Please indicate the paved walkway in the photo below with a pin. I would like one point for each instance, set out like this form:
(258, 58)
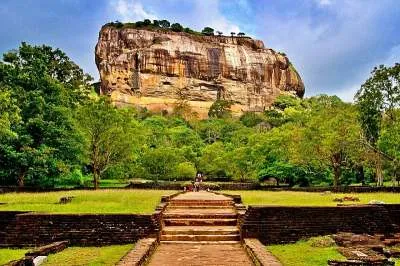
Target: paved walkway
(201, 195)
(200, 228)
(198, 254)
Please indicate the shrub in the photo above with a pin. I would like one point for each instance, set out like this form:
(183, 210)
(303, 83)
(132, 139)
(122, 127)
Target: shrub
(185, 171)
(220, 109)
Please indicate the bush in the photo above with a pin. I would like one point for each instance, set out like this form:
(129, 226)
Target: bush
(220, 109)
(250, 119)
(185, 171)
(74, 179)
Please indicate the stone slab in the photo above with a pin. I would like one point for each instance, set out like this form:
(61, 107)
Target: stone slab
(196, 254)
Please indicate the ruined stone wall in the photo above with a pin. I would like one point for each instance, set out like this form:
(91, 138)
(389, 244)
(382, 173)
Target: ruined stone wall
(21, 229)
(277, 224)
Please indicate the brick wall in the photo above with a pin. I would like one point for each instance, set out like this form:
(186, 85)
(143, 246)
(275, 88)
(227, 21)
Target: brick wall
(276, 224)
(394, 213)
(18, 229)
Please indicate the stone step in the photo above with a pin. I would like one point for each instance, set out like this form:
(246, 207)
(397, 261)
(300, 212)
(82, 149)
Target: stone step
(198, 222)
(199, 215)
(201, 202)
(197, 207)
(235, 237)
(201, 242)
(200, 230)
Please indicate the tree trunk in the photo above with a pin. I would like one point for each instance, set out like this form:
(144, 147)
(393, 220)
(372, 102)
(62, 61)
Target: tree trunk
(21, 178)
(361, 174)
(378, 169)
(336, 165)
(96, 176)
(336, 177)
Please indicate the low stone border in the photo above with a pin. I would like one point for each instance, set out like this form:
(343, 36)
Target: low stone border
(140, 254)
(259, 254)
(237, 199)
(48, 249)
(168, 198)
(39, 255)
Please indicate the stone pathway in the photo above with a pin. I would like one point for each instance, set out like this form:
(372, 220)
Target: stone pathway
(198, 254)
(200, 228)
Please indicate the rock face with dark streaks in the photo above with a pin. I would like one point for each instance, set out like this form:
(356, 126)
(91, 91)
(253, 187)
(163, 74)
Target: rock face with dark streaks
(156, 69)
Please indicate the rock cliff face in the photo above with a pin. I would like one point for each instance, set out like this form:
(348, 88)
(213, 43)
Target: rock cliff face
(157, 69)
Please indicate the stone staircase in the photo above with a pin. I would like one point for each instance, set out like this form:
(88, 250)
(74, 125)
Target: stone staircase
(195, 217)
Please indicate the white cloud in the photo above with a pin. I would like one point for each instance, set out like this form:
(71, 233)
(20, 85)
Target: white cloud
(324, 2)
(131, 10)
(207, 13)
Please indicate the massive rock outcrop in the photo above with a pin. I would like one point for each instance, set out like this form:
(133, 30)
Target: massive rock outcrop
(156, 69)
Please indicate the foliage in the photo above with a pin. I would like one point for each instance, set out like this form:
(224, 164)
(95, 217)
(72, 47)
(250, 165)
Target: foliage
(108, 138)
(39, 86)
(220, 109)
(251, 119)
(185, 171)
(176, 27)
(208, 31)
(378, 100)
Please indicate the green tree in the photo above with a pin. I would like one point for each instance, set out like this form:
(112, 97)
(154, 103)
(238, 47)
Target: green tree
(185, 171)
(147, 22)
(331, 135)
(160, 163)
(207, 31)
(156, 23)
(176, 27)
(241, 34)
(213, 162)
(220, 109)
(108, 136)
(164, 24)
(45, 86)
(377, 99)
(251, 119)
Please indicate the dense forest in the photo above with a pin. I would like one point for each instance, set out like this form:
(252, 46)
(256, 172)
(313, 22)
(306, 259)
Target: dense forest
(55, 130)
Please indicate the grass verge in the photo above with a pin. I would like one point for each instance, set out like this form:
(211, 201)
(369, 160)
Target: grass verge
(294, 198)
(93, 256)
(8, 254)
(85, 201)
(306, 252)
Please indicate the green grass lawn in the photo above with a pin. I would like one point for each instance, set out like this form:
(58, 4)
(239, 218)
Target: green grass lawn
(292, 198)
(93, 256)
(7, 254)
(85, 201)
(305, 253)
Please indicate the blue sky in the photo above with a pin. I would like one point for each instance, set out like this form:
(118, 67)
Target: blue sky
(334, 44)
